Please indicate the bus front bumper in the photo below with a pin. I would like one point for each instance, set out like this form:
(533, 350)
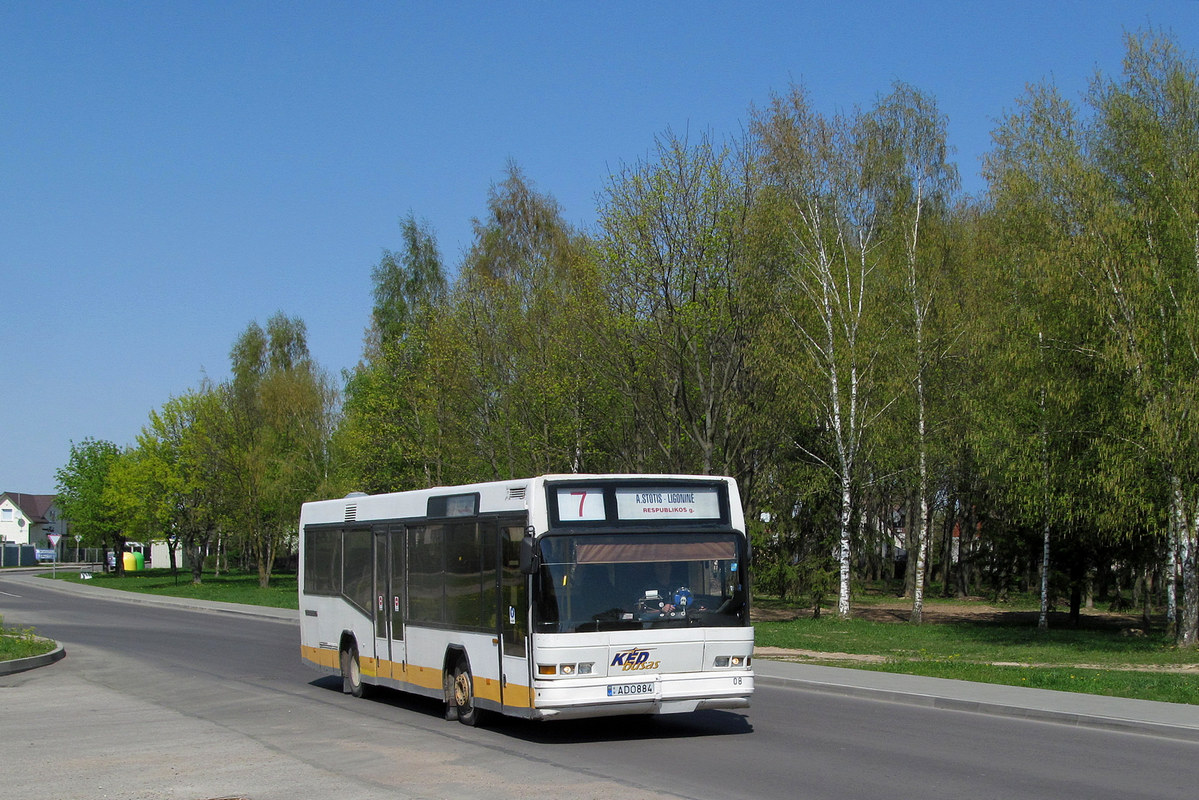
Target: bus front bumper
(647, 694)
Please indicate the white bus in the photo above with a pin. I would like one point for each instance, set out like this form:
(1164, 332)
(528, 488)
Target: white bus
(555, 597)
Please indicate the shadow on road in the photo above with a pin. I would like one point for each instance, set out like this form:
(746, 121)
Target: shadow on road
(634, 727)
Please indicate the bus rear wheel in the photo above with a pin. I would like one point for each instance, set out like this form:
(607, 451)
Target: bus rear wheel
(351, 672)
(463, 695)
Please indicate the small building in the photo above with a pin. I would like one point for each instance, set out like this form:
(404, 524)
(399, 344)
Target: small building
(156, 554)
(29, 518)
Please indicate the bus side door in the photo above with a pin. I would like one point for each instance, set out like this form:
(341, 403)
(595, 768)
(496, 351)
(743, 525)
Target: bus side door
(388, 614)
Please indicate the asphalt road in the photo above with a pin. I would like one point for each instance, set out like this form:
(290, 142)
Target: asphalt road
(161, 703)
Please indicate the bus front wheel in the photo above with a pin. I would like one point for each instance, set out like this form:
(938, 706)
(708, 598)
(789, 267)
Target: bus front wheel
(463, 696)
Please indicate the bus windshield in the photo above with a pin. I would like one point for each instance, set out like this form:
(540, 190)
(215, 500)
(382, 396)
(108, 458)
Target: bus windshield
(597, 582)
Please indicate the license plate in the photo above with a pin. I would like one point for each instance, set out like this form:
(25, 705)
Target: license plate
(622, 689)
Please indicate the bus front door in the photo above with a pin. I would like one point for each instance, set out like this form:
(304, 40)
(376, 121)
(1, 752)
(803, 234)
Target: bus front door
(517, 681)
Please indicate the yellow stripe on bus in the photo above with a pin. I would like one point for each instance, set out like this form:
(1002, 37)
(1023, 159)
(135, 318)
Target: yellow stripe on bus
(321, 657)
(514, 695)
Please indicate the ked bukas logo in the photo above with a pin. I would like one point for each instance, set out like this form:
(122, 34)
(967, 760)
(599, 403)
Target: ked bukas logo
(634, 659)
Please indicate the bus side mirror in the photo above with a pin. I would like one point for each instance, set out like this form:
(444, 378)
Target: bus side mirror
(530, 559)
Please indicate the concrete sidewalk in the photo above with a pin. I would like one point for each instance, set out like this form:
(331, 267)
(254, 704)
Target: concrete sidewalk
(1170, 720)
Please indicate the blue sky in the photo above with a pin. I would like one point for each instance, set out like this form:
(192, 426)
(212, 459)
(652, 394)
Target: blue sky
(170, 171)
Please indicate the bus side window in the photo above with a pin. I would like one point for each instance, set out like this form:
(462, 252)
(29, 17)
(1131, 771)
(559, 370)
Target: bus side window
(463, 579)
(358, 571)
(322, 562)
(426, 576)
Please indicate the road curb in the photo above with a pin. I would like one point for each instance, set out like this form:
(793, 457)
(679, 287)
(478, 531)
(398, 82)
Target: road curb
(32, 662)
(1015, 711)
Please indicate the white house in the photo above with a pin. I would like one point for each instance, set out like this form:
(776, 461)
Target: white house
(27, 518)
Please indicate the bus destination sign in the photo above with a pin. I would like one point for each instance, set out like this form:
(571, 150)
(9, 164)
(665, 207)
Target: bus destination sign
(673, 502)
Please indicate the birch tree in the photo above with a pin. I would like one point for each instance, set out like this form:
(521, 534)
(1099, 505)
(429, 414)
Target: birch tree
(275, 448)
(912, 166)
(1143, 264)
(1121, 191)
(393, 430)
(1047, 385)
(818, 169)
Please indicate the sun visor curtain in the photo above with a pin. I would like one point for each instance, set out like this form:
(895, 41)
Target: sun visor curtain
(638, 552)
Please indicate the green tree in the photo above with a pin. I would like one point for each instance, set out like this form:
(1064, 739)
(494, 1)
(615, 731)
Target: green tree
(128, 493)
(1046, 391)
(407, 284)
(275, 447)
(911, 163)
(180, 448)
(1102, 216)
(81, 485)
(392, 415)
(673, 250)
(1142, 259)
(832, 300)
(523, 299)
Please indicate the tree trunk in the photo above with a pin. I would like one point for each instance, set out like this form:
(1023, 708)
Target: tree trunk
(1147, 598)
(266, 558)
(949, 572)
(119, 561)
(1188, 618)
(846, 511)
(1174, 537)
(922, 533)
(911, 544)
(195, 559)
(1078, 575)
(922, 550)
(1075, 604)
(1043, 619)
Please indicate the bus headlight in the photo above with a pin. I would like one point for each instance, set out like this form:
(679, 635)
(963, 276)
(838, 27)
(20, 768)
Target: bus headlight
(733, 662)
(576, 669)
(566, 670)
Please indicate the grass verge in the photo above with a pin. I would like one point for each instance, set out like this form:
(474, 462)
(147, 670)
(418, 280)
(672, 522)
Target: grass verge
(229, 587)
(1093, 661)
(21, 643)
(1166, 687)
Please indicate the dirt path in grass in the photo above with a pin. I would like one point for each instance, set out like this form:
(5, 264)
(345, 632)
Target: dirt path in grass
(973, 610)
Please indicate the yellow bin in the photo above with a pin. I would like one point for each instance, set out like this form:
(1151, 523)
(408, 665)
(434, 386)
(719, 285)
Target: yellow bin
(130, 562)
